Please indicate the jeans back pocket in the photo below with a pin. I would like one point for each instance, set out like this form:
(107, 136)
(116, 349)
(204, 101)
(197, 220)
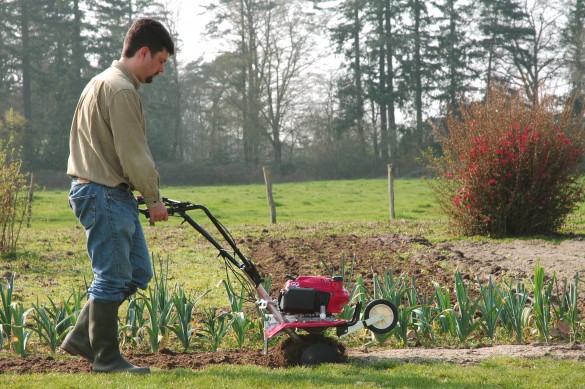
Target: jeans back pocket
(84, 208)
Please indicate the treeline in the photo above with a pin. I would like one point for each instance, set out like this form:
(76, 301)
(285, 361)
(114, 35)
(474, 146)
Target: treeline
(267, 98)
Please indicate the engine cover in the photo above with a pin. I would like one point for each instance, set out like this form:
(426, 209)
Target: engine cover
(307, 294)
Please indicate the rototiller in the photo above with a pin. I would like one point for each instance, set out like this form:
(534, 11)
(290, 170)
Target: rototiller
(306, 303)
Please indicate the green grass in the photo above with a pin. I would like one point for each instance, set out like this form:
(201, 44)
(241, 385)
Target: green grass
(306, 202)
(497, 373)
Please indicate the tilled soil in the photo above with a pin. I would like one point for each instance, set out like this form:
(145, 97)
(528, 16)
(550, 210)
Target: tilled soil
(403, 254)
(284, 354)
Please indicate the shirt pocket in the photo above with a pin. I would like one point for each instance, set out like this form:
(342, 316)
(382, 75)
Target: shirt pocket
(84, 208)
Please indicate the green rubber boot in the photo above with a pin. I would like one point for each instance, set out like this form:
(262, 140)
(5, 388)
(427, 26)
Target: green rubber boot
(103, 335)
(77, 341)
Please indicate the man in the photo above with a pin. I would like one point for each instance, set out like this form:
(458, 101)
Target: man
(109, 157)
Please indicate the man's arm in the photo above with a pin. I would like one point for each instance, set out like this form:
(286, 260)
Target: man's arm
(131, 146)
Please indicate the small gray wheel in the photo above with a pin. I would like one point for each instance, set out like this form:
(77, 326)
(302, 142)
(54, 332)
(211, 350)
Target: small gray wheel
(385, 309)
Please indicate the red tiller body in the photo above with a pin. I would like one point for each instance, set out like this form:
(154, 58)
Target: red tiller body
(338, 295)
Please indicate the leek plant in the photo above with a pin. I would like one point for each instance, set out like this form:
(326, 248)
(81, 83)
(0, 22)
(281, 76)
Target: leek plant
(490, 307)
(160, 315)
(424, 315)
(347, 275)
(241, 323)
(159, 307)
(403, 324)
(542, 302)
(267, 282)
(20, 332)
(464, 321)
(215, 326)
(395, 291)
(51, 323)
(135, 321)
(357, 293)
(184, 327)
(73, 306)
(567, 311)
(161, 288)
(516, 311)
(6, 309)
(388, 288)
(240, 319)
(446, 310)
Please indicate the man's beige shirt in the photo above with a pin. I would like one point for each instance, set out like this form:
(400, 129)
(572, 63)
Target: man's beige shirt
(108, 135)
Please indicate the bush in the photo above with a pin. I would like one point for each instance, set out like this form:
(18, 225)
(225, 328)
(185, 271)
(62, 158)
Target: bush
(509, 168)
(13, 197)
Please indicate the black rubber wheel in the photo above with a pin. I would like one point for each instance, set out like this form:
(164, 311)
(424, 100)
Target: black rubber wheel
(385, 309)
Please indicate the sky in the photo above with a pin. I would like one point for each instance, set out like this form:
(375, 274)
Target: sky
(192, 19)
(191, 25)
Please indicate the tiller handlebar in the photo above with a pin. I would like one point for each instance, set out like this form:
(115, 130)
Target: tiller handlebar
(237, 259)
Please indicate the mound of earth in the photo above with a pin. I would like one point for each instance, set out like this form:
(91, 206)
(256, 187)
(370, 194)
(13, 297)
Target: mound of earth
(284, 354)
(416, 256)
(403, 254)
(167, 360)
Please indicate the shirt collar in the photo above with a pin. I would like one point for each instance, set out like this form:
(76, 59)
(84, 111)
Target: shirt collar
(124, 69)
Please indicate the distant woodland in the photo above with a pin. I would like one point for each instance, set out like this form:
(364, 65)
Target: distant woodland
(399, 68)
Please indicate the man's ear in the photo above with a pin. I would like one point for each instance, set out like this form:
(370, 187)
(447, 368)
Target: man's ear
(143, 52)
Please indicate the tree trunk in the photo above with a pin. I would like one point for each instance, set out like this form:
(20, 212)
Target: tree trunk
(358, 81)
(392, 135)
(77, 46)
(418, 71)
(26, 67)
(384, 156)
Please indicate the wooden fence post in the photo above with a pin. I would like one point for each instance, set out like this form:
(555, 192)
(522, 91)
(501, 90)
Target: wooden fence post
(391, 190)
(268, 181)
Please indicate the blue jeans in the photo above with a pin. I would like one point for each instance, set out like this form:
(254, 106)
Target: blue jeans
(115, 241)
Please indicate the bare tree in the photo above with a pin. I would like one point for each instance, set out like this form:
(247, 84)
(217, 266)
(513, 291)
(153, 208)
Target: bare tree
(535, 60)
(573, 40)
(287, 50)
(273, 41)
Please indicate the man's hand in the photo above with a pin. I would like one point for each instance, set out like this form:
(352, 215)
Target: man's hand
(158, 213)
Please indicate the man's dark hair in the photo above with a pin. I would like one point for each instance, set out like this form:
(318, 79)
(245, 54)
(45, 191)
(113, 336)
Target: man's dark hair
(150, 33)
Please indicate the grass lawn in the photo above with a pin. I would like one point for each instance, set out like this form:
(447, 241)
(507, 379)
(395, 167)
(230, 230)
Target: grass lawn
(495, 373)
(305, 202)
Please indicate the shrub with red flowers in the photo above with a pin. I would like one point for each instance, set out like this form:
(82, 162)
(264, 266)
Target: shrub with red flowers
(509, 167)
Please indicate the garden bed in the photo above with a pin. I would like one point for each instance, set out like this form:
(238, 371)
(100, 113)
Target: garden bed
(409, 254)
